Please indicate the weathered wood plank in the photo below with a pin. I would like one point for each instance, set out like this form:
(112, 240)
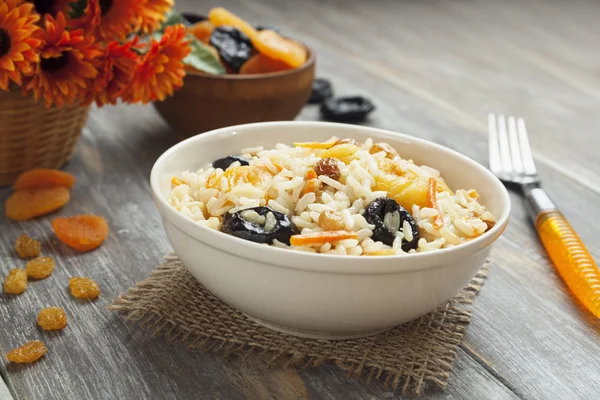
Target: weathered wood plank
(4, 391)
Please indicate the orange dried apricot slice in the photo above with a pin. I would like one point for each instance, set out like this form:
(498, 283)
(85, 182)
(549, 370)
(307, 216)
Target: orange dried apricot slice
(219, 16)
(202, 30)
(273, 45)
(28, 353)
(261, 64)
(44, 177)
(52, 318)
(322, 237)
(258, 177)
(30, 203)
(82, 232)
(83, 288)
(27, 247)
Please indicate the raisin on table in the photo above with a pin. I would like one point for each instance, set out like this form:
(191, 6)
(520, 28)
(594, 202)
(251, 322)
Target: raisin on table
(321, 90)
(346, 109)
(52, 318)
(27, 247)
(40, 268)
(84, 288)
(28, 353)
(233, 45)
(16, 281)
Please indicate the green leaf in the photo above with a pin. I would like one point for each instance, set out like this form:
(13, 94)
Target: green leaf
(202, 58)
(78, 8)
(173, 18)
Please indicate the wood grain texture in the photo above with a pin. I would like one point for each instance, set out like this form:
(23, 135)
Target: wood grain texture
(435, 68)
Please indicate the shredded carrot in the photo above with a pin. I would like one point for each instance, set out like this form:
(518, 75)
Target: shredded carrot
(279, 167)
(176, 181)
(312, 185)
(322, 237)
(311, 174)
(432, 201)
(318, 145)
(384, 252)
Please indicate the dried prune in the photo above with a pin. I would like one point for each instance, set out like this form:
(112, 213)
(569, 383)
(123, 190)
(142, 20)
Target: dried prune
(40, 268)
(225, 162)
(83, 288)
(27, 247)
(28, 353)
(192, 18)
(16, 281)
(328, 167)
(321, 90)
(52, 318)
(233, 45)
(259, 224)
(388, 217)
(346, 109)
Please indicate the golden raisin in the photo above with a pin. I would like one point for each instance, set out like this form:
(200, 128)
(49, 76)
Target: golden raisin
(328, 167)
(52, 318)
(84, 288)
(40, 268)
(27, 247)
(390, 152)
(28, 353)
(16, 281)
(331, 221)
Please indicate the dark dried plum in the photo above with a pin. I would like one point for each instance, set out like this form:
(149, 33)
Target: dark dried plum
(269, 27)
(233, 45)
(321, 90)
(388, 217)
(192, 18)
(346, 109)
(260, 225)
(224, 163)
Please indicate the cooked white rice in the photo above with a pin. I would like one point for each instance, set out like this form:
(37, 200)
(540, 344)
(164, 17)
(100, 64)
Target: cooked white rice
(278, 179)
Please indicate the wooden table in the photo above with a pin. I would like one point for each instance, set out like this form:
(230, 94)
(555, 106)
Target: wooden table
(434, 68)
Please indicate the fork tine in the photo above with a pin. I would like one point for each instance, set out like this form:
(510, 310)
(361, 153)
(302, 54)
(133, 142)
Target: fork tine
(528, 164)
(504, 147)
(515, 152)
(494, 150)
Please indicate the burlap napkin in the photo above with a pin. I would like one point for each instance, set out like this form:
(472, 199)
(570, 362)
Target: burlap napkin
(172, 303)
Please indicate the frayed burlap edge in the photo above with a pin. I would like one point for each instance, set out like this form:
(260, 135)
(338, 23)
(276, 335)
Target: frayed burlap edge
(171, 303)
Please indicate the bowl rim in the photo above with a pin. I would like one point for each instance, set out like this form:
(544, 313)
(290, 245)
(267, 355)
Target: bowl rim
(309, 63)
(315, 261)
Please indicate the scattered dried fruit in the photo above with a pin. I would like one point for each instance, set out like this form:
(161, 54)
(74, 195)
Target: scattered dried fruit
(346, 109)
(83, 288)
(321, 90)
(30, 203)
(40, 268)
(52, 318)
(82, 232)
(27, 247)
(328, 167)
(16, 281)
(28, 353)
(35, 178)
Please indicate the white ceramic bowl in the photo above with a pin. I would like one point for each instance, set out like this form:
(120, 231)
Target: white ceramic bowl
(317, 295)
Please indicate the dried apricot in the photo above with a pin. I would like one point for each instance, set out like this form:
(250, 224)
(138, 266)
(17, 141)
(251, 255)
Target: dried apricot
(219, 16)
(16, 281)
(273, 45)
(83, 288)
(27, 247)
(202, 30)
(30, 203)
(261, 64)
(258, 177)
(82, 232)
(40, 268)
(52, 318)
(35, 178)
(28, 353)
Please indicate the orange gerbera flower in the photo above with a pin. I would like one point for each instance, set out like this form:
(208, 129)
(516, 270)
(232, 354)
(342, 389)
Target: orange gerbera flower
(161, 70)
(18, 42)
(153, 13)
(109, 19)
(66, 66)
(52, 7)
(117, 70)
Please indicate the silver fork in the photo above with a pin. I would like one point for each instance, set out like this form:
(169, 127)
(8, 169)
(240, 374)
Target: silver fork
(511, 160)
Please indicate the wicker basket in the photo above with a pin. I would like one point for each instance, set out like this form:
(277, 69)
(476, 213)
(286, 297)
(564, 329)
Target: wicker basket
(33, 136)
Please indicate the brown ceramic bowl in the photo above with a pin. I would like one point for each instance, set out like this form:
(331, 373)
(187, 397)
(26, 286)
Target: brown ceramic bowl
(207, 102)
